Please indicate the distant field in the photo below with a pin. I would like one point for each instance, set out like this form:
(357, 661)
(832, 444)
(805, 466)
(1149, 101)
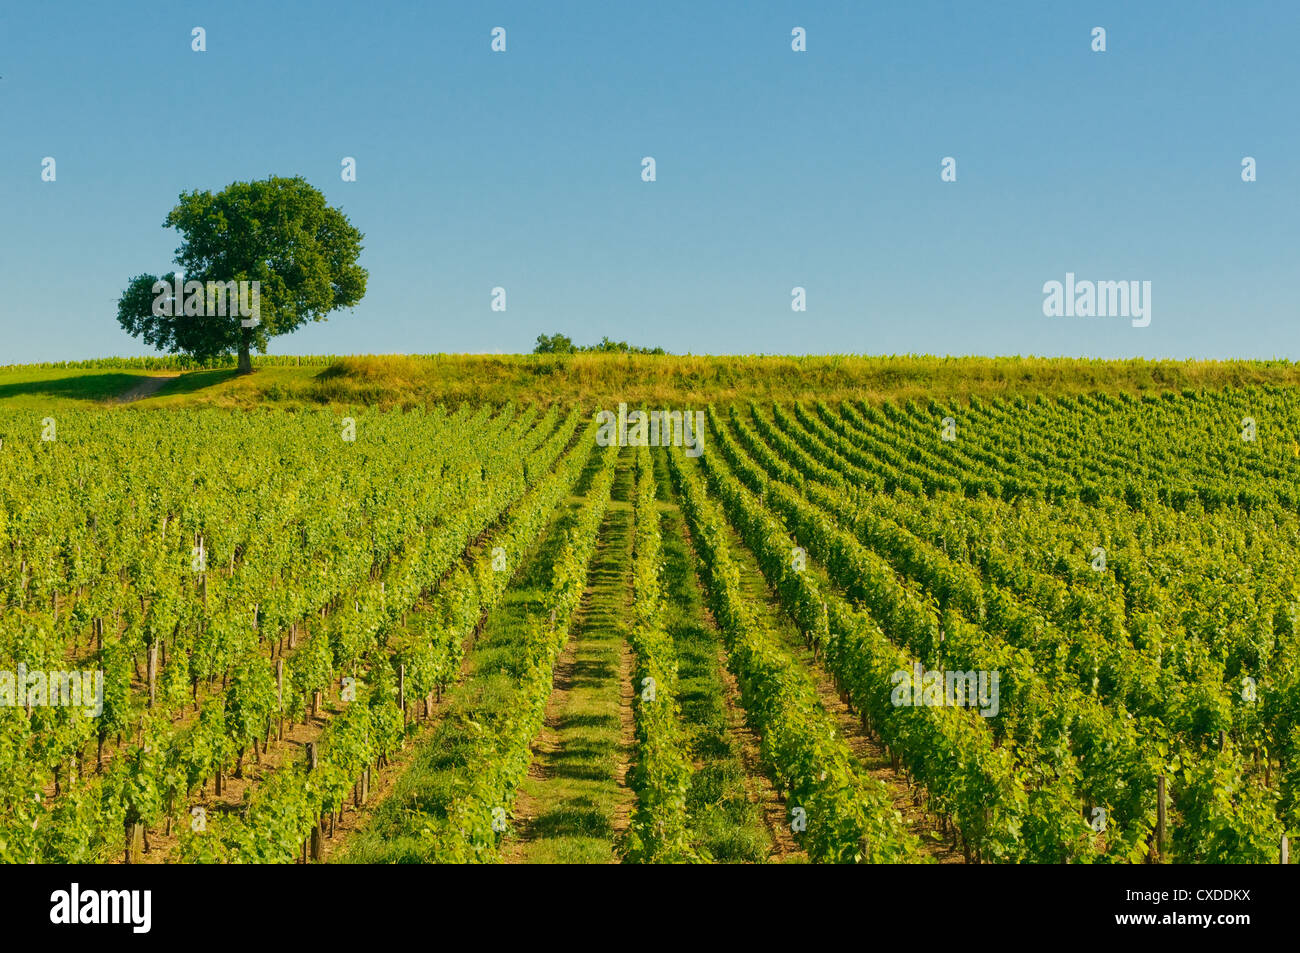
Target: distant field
(603, 379)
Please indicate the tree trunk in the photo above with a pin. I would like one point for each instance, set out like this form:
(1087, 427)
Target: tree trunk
(245, 360)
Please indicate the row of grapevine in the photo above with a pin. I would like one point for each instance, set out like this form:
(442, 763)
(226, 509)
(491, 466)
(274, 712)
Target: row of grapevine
(473, 826)
(1001, 811)
(174, 754)
(1246, 827)
(662, 773)
(849, 815)
(282, 814)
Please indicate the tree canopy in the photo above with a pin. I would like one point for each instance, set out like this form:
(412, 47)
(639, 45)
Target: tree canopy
(295, 256)
(563, 344)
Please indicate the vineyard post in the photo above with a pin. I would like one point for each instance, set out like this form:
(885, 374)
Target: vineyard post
(153, 672)
(1286, 850)
(826, 628)
(134, 835)
(1160, 817)
(279, 697)
(99, 648)
(315, 827)
(401, 691)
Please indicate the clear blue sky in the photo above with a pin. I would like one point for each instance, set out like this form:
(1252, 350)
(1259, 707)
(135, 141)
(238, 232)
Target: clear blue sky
(775, 169)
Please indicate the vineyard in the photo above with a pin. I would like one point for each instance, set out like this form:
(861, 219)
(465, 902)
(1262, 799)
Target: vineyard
(1029, 628)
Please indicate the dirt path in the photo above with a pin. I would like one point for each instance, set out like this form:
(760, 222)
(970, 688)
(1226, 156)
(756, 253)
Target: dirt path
(575, 801)
(146, 388)
(626, 805)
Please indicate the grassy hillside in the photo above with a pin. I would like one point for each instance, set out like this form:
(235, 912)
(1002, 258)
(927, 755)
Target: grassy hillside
(47, 388)
(605, 379)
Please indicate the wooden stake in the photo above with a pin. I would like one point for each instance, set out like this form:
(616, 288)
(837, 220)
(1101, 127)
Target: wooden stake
(279, 696)
(134, 836)
(1160, 818)
(315, 828)
(153, 673)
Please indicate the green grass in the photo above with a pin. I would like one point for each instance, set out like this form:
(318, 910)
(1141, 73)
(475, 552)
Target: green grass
(192, 384)
(722, 820)
(45, 390)
(573, 793)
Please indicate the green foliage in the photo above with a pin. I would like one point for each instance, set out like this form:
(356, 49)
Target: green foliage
(662, 773)
(1178, 657)
(849, 815)
(278, 232)
(563, 344)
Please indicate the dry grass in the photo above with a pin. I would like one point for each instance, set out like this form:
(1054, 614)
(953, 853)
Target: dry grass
(602, 380)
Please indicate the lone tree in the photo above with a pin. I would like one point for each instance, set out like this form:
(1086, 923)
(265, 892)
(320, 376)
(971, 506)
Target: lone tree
(258, 259)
